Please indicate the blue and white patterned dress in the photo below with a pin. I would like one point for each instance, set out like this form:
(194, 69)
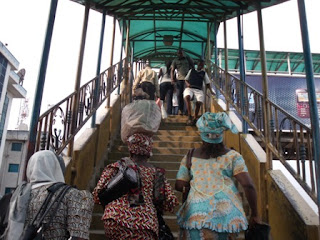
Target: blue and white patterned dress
(214, 201)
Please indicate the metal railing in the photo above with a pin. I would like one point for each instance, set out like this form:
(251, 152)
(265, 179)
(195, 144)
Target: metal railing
(54, 130)
(289, 139)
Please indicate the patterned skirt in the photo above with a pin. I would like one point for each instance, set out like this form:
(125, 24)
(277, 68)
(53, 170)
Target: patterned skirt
(114, 231)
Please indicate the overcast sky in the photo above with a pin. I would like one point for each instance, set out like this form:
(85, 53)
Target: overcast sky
(23, 25)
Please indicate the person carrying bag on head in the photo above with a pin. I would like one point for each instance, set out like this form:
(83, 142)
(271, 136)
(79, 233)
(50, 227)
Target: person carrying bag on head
(133, 214)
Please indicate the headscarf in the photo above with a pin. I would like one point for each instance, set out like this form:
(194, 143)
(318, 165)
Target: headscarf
(140, 144)
(43, 168)
(212, 125)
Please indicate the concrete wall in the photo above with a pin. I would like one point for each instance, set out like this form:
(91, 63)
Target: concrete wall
(91, 147)
(290, 216)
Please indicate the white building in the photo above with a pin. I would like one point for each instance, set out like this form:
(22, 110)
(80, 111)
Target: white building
(13, 160)
(10, 87)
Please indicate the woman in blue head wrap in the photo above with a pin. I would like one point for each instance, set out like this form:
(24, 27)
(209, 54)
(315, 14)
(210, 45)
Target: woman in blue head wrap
(213, 208)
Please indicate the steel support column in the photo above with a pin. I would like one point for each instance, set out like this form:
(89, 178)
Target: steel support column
(97, 82)
(126, 77)
(208, 62)
(40, 83)
(75, 106)
(265, 88)
(242, 74)
(266, 114)
(111, 74)
(311, 92)
(226, 63)
(121, 50)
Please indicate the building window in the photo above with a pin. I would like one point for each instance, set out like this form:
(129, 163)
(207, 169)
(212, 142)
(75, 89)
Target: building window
(8, 190)
(13, 167)
(16, 147)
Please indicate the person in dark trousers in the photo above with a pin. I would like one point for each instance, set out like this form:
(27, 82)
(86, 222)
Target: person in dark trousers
(166, 86)
(183, 63)
(194, 85)
(147, 79)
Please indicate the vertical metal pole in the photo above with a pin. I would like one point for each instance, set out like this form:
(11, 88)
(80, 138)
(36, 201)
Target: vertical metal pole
(208, 60)
(109, 82)
(75, 107)
(120, 67)
(226, 65)
(127, 50)
(311, 92)
(265, 87)
(216, 72)
(40, 83)
(97, 82)
(242, 73)
(289, 64)
(266, 106)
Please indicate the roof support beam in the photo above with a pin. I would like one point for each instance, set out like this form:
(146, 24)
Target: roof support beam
(314, 117)
(40, 84)
(97, 81)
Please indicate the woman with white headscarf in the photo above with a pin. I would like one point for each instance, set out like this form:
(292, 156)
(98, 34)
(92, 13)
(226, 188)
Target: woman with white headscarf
(72, 217)
(213, 208)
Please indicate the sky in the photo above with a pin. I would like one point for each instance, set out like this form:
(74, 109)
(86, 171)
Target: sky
(23, 25)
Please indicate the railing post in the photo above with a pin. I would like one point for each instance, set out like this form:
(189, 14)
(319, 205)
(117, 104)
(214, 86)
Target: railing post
(311, 93)
(242, 74)
(40, 84)
(75, 106)
(97, 82)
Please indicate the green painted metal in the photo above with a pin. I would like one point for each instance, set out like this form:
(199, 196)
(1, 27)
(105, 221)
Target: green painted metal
(276, 62)
(160, 27)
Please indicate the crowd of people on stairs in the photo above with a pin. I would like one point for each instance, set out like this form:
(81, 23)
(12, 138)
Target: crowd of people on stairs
(133, 192)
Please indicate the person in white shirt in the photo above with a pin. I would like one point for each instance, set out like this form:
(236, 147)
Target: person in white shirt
(194, 84)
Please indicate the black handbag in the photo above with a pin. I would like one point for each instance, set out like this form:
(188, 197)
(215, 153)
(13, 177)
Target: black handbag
(258, 232)
(126, 178)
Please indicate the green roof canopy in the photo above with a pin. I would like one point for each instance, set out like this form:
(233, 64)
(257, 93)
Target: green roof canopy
(159, 27)
(277, 62)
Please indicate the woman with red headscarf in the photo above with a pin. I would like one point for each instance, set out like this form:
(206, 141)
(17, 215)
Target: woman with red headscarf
(134, 215)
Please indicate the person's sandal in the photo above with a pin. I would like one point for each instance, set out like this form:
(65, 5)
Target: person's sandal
(194, 121)
(190, 121)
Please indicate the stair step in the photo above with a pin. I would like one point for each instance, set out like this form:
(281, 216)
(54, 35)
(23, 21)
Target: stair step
(189, 131)
(168, 143)
(155, 157)
(157, 150)
(175, 138)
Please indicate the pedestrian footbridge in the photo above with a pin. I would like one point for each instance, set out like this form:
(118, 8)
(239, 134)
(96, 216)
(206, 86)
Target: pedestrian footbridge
(85, 126)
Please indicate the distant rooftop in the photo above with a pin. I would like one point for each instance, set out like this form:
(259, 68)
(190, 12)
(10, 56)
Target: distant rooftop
(291, 63)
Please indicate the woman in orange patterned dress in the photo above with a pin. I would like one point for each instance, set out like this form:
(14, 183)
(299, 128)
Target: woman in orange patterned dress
(134, 215)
